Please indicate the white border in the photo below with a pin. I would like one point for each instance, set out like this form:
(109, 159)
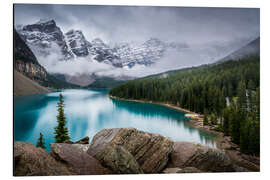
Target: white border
(6, 83)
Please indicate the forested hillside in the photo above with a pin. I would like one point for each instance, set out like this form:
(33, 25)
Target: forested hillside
(105, 82)
(227, 93)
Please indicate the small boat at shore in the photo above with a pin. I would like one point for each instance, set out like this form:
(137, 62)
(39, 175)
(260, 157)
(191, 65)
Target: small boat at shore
(192, 116)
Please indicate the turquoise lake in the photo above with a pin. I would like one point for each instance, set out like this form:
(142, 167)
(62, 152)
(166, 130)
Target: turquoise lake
(89, 111)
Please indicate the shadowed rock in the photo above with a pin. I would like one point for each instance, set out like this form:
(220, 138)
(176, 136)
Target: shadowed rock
(32, 161)
(76, 159)
(84, 140)
(150, 151)
(204, 158)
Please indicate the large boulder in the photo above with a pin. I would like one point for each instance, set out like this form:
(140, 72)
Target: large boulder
(32, 161)
(128, 150)
(119, 160)
(204, 158)
(77, 160)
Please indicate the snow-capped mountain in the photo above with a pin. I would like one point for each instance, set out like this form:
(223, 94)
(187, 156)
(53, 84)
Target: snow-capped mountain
(48, 42)
(104, 53)
(45, 36)
(144, 54)
(76, 43)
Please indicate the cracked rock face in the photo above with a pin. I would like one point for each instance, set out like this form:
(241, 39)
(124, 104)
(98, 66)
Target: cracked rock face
(204, 158)
(32, 161)
(76, 159)
(133, 147)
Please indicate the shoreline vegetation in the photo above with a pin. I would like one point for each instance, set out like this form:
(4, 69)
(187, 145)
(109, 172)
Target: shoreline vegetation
(196, 122)
(158, 103)
(223, 142)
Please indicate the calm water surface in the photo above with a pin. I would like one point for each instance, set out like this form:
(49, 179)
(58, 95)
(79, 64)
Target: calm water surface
(89, 111)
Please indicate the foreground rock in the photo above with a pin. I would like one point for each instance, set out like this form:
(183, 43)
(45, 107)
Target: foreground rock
(128, 150)
(84, 140)
(32, 161)
(120, 151)
(204, 158)
(184, 170)
(76, 159)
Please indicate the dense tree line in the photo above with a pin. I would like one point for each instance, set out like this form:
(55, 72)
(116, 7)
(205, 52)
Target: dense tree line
(227, 93)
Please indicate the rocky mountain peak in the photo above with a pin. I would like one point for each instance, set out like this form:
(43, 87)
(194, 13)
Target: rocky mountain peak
(46, 26)
(44, 21)
(42, 37)
(74, 32)
(77, 43)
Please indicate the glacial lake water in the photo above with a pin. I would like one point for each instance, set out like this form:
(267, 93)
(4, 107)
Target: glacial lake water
(89, 111)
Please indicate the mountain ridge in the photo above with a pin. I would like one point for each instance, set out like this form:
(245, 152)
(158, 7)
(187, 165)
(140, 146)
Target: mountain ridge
(248, 50)
(45, 37)
(43, 34)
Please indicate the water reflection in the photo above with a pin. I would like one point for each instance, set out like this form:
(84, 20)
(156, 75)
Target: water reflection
(162, 120)
(88, 112)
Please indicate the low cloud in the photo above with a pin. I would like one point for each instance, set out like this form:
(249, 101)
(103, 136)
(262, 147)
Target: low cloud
(171, 60)
(87, 65)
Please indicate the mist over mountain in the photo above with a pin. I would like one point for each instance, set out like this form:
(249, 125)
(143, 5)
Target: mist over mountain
(81, 50)
(250, 49)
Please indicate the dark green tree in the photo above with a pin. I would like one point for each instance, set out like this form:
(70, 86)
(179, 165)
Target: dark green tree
(242, 95)
(61, 132)
(40, 142)
(226, 113)
(205, 117)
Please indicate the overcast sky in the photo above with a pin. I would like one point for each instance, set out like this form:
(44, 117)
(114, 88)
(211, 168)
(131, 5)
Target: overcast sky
(131, 23)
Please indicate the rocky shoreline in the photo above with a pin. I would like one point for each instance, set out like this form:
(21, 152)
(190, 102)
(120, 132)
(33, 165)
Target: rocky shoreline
(121, 151)
(224, 143)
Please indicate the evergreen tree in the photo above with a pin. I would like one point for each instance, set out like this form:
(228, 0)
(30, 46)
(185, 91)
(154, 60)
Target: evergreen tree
(61, 132)
(40, 142)
(245, 135)
(205, 118)
(225, 124)
(242, 95)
